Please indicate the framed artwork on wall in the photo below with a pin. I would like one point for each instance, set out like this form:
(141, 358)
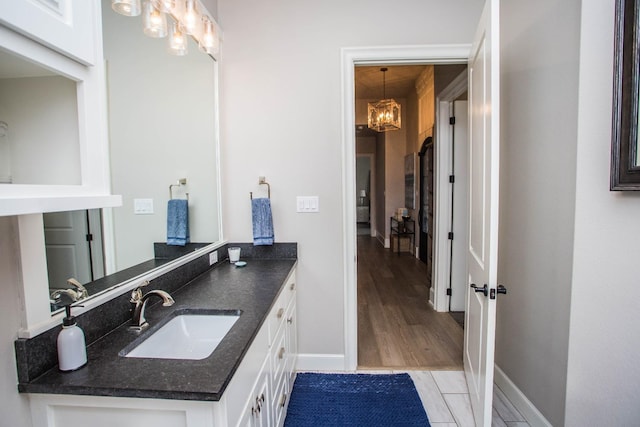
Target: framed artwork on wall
(625, 156)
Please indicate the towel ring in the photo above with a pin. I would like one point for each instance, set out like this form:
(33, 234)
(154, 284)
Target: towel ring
(262, 181)
(181, 181)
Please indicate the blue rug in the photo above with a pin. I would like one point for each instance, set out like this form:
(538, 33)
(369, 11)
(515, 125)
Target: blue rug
(325, 400)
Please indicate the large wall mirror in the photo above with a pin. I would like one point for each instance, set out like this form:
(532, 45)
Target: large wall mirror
(162, 128)
(625, 155)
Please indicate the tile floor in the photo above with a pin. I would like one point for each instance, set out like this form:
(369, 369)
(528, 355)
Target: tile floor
(446, 400)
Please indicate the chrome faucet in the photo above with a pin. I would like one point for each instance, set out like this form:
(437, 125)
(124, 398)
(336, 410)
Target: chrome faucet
(139, 303)
(75, 292)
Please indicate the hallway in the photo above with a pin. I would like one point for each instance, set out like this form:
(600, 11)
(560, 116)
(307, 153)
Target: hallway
(397, 328)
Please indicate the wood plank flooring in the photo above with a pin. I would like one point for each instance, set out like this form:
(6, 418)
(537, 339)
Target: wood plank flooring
(397, 328)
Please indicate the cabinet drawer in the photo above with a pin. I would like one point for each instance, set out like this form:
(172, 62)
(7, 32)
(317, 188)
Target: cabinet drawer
(280, 402)
(279, 355)
(277, 315)
(291, 333)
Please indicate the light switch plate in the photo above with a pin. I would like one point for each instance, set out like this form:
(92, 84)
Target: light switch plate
(308, 204)
(143, 206)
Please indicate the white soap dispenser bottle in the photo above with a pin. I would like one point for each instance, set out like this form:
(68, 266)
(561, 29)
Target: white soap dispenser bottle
(72, 351)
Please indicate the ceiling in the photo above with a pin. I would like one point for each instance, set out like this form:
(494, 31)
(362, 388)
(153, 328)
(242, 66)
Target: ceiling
(400, 81)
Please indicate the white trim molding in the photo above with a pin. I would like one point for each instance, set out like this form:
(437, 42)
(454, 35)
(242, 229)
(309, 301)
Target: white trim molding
(321, 362)
(527, 409)
(350, 57)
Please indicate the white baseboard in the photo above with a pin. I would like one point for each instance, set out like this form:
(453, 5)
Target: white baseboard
(519, 400)
(320, 362)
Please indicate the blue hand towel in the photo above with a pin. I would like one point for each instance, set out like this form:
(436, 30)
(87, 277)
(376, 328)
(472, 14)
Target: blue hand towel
(178, 222)
(262, 222)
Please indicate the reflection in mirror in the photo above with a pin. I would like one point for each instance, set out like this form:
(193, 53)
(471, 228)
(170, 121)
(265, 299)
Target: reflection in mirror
(37, 106)
(162, 116)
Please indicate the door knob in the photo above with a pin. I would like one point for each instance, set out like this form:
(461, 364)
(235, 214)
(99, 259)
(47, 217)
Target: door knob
(484, 290)
(501, 290)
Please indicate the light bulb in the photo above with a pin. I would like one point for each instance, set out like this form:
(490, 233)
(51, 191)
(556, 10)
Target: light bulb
(154, 21)
(126, 7)
(177, 41)
(165, 6)
(208, 41)
(189, 18)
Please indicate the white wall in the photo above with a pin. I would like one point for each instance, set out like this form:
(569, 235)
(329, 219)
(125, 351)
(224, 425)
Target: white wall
(13, 406)
(281, 118)
(539, 72)
(42, 114)
(603, 372)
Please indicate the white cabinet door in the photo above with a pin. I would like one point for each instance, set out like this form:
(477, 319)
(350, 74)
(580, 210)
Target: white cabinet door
(70, 27)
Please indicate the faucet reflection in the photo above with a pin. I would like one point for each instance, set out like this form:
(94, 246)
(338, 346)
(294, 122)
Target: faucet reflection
(139, 303)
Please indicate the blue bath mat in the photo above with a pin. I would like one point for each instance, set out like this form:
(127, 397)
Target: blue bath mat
(326, 400)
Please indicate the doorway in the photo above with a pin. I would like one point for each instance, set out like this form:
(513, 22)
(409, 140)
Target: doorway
(397, 326)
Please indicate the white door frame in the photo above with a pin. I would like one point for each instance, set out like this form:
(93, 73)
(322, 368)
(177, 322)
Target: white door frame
(350, 57)
(443, 169)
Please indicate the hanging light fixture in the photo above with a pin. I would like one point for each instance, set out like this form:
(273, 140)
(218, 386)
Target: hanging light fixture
(384, 115)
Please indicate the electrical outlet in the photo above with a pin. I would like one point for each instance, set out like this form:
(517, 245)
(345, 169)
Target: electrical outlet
(213, 257)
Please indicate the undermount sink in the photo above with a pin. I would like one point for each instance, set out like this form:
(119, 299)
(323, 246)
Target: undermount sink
(190, 334)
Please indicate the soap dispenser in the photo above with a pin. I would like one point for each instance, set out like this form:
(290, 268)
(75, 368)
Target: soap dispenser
(72, 351)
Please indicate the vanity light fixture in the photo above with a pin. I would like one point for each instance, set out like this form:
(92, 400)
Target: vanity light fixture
(154, 20)
(126, 7)
(383, 115)
(188, 17)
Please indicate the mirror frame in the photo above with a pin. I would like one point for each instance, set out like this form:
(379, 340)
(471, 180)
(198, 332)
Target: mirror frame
(625, 173)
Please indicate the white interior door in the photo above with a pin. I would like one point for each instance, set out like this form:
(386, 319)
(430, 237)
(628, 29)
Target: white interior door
(459, 245)
(67, 247)
(480, 318)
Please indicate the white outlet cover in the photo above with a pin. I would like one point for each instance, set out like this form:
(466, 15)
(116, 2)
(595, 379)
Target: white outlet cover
(213, 257)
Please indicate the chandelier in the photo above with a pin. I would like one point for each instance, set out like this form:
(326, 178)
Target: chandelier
(187, 18)
(383, 115)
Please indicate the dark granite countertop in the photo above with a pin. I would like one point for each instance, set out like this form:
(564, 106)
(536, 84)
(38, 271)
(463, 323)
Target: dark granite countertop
(252, 289)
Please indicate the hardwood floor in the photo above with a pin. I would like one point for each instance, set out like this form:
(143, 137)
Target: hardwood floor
(397, 328)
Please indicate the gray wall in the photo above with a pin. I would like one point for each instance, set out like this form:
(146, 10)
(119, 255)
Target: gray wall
(539, 85)
(603, 377)
(281, 71)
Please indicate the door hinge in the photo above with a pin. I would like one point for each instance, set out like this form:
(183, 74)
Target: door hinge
(452, 179)
(452, 120)
(449, 291)
(89, 237)
(451, 235)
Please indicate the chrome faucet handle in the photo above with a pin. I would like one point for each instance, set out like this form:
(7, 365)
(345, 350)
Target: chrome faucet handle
(81, 290)
(136, 294)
